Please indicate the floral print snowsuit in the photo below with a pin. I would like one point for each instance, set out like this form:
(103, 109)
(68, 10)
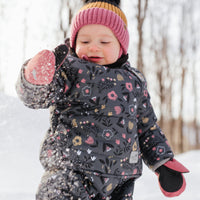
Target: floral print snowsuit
(102, 125)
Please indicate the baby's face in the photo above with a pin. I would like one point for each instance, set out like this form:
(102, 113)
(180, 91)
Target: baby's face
(98, 44)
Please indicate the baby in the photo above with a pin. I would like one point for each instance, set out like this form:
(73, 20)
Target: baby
(102, 121)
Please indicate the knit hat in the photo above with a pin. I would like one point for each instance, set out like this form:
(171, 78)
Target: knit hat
(104, 12)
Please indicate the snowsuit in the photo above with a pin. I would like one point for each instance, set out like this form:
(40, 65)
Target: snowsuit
(102, 125)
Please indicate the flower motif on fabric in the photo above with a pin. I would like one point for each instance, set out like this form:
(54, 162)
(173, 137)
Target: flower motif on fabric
(83, 80)
(109, 187)
(145, 93)
(66, 88)
(112, 96)
(117, 110)
(80, 71)
(77, 141)
(132, 109)
(130, 125)
(160, 150)
(79, 152)
(107, 134)
(86, 91)
(90, 140)
(93, 158)
(145, 120)
(120, 77)
(107, 83)
(129, 87)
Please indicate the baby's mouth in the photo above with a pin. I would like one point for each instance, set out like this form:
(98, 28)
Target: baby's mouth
(94, 59)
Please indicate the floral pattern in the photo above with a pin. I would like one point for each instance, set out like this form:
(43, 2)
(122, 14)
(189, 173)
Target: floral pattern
(102, 125)
(107, 134)
(112, 96)
(86, 91)
(77, 141)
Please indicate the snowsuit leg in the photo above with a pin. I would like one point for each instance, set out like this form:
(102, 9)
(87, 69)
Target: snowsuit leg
(124, 191)
(62, 185)
(59, 182)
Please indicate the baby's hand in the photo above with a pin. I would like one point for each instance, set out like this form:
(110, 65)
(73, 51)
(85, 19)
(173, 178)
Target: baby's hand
(171, 179)
(41, 68)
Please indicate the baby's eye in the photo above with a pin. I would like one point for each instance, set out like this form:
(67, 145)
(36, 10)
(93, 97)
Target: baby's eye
(84, 42)
(105, 42)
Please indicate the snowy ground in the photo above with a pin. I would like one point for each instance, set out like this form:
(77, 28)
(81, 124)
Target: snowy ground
(21, 132)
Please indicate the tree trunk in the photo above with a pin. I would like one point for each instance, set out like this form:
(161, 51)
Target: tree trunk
(140, 20)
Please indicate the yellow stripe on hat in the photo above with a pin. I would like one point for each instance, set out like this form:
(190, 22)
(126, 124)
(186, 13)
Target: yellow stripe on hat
(107, 6)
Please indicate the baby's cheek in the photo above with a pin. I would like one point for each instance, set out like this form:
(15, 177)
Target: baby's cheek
(113, 57)
(79, 51)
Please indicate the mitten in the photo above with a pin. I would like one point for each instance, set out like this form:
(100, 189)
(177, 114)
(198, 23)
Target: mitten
(41, 68)
(170, 177)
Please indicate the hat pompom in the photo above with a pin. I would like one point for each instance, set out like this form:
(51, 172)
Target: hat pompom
(117, 2)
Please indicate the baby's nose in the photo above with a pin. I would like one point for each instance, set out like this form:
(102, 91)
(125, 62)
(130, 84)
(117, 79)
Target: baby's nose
(94, 47)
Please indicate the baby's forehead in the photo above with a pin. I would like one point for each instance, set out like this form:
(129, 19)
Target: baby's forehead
(95, 30)
(103, 35)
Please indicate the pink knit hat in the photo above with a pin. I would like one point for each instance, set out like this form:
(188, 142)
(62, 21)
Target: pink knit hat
(104, 12)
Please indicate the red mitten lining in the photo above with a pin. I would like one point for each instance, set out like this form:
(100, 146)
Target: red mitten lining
(177, 166)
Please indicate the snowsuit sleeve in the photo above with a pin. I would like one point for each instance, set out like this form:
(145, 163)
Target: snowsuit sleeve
(153, 143)
(44, 96)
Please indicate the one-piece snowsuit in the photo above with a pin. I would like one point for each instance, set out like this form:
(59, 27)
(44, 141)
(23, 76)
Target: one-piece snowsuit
(102, 125)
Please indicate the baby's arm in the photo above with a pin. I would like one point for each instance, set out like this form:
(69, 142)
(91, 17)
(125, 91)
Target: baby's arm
(37, 83)
(156, 151)
(153, 143)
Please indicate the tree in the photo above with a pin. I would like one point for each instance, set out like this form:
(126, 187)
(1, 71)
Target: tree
(1, 19)
(66, 13)
(174, 44)
(162, 68)
(194, 50)
(141, 15)
(63, 12)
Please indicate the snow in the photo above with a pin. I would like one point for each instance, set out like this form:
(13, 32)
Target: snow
(22, 130)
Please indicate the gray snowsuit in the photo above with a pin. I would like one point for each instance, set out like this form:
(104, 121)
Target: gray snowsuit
(102, 125)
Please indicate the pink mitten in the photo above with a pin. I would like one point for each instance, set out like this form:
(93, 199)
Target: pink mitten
(41, 68)
(171, 180)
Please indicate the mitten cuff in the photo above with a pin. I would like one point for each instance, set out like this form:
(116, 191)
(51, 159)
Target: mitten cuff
(176, 166)
(155, 167)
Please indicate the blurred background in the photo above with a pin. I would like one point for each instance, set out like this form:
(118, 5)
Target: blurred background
(164, 45)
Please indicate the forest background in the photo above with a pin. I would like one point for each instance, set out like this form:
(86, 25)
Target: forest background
(164, 45)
